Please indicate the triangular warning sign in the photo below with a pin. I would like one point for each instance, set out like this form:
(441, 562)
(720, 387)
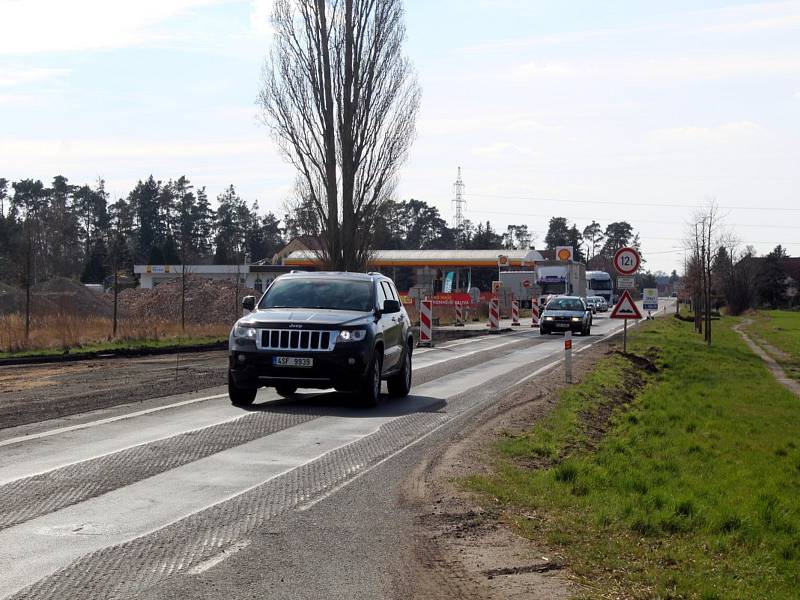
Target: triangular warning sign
(626, 308)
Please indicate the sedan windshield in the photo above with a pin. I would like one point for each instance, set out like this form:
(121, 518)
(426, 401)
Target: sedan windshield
(565, 304)
(334, 294)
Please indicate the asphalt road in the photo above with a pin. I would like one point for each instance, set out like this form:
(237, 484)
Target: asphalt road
(190, 497)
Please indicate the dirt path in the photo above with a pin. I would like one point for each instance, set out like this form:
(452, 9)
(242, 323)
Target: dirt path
(465, 550)
(776, 370)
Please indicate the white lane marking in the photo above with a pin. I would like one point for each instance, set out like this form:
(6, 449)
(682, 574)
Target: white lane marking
(465, 355)
(446, 346)
(147, 411)
(115, 450)
(36, 436)
(218, 558)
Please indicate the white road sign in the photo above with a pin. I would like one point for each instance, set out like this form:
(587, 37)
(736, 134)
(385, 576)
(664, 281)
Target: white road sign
(626, 283)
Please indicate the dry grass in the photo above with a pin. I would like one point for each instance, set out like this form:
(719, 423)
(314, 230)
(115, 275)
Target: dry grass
(54, 332)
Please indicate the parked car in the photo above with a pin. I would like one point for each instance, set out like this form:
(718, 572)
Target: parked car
(566, 313)
(319, 330)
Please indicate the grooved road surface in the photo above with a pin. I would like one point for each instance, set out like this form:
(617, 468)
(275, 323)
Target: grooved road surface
(197, 498)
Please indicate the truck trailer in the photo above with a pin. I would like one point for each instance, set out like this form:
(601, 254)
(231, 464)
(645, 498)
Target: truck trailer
(558, 277)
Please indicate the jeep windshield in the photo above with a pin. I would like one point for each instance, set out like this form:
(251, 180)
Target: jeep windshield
(331, 294)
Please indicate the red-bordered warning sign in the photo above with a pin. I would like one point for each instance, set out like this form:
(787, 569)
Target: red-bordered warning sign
(627, 261)
(626, 308)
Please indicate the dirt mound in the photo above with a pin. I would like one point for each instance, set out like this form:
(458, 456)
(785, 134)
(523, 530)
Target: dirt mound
(207, 301)
(73, 298)
(12, 300)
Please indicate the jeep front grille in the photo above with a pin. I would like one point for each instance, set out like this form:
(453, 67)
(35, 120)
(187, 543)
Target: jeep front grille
(305, 340)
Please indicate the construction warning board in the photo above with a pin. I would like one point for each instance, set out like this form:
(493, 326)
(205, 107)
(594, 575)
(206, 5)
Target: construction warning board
(626, 308)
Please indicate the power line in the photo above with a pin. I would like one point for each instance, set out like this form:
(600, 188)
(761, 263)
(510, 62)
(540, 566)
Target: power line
(657, 221)
(635, 204)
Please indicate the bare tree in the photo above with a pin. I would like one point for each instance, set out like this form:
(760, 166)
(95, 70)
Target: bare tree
(341, 100)
(702, 242)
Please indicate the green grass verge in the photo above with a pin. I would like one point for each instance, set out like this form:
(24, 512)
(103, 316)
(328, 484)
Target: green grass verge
(131, 345)
(682, 483)
(781, 328)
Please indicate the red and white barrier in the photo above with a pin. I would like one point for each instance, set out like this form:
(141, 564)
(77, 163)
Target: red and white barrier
(515, 313)
(494, 316)
(425, 323)
(459, 314)
(534, 312)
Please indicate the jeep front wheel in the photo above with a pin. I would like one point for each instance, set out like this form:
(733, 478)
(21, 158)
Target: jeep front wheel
(286, 390)
(240, 396)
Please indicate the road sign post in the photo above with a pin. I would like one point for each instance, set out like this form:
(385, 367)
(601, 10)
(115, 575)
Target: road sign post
(625, 309)
(626, 262)
(568, 356)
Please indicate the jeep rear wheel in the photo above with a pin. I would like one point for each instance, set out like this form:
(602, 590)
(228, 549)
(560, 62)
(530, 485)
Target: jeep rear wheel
(240, 396)
(400, 384)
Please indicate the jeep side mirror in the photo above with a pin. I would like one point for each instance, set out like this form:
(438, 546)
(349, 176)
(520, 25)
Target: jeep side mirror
(249, 302)
(390, 307)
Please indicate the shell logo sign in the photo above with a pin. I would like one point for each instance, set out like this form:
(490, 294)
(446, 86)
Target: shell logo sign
(502, 260)
(564, 253)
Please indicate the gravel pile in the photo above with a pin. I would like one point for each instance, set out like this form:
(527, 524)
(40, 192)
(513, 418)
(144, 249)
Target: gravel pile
(12, 300)
(207, 301)
(66, 296)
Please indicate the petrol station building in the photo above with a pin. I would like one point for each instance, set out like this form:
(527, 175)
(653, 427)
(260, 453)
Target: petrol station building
(436, 271)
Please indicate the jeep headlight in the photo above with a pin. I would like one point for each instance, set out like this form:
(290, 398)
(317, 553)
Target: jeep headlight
(245, 332)
(576, 318)
(548, 318)
(351, 335)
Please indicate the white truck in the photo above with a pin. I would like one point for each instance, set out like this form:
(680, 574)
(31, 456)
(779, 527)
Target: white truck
(557, 278)
(521, 283)
(599, 283)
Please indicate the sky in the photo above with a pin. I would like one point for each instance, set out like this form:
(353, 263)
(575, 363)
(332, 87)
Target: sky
(620, 110)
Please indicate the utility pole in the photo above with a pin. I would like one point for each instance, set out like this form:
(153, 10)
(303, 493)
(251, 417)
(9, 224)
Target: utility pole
(28, 280)
(458, 216)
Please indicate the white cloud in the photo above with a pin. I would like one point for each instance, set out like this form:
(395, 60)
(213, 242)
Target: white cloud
(107, 149)
(666, 70)
(504, 149)
(724, 133)
(37, 26)
(535, 70)
(748, 18)
(14, 76)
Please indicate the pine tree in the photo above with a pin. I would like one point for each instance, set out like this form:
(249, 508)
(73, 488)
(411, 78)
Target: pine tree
(95, 269)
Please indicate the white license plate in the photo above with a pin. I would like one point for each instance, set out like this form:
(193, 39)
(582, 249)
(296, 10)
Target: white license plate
(292, 361)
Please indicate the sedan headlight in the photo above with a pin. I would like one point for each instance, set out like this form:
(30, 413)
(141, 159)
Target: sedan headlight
(244, 332)
(576, 318)
(351, 335)
(548, 318)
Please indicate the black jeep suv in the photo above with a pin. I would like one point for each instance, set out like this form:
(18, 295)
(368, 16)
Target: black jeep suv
(319, 330)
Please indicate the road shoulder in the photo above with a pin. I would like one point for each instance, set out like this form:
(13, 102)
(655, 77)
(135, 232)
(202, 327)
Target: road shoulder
(464, 550)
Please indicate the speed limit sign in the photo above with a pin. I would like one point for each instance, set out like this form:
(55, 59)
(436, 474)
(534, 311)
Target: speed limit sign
(627, 261)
